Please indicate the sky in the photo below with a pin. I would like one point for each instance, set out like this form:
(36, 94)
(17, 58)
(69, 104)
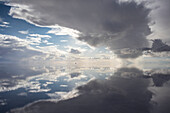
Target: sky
(68, 29)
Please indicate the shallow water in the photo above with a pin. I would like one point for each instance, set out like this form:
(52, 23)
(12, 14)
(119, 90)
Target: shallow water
(78, 89)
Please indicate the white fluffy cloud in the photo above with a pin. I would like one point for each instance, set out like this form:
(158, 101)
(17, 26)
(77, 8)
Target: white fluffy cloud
(58, 30)
(3, 25)
(40, 36)
(24, 32)
(63, 40)
(15, 49)
(36, 39)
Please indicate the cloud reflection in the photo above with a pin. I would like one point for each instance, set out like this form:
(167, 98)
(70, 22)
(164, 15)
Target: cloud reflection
(88, 88)
(116, 94)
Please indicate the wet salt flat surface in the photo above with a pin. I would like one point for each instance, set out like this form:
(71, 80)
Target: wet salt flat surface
(47, 89)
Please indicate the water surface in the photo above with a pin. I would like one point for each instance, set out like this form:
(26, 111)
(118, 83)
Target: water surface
(78, 89)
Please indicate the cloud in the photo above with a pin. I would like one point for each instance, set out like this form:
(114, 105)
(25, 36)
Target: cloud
(3, 23)
(129, 53)
(80, 49)
(116, 24)
(15, 49)
(108, 23)
(37, 39)
(34, 40)
(6, 23)
(46, 42)
(58, 30)
(63, 40)
(161, 19)
(51, 49)
(158, 49)
(158, 54)
(159, 46)
(24, 32)
(40, 36)
(75, 51)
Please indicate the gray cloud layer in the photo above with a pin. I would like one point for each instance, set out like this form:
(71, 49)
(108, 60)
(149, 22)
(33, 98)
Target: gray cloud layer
(75, 51)
(129, 53)
(107, 23)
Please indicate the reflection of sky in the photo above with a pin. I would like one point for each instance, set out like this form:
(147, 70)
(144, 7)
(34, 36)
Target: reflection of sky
(127, 91)
(19, 89)
(30, 84)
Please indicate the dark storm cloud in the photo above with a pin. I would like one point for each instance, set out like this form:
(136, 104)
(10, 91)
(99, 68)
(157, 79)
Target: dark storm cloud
(118, 94)
(129, 53)
(75, 51)
(159, 48)
(160, 79)
(108, 23)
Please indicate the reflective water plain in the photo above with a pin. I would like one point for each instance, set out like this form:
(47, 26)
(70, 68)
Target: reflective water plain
(142, 87)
